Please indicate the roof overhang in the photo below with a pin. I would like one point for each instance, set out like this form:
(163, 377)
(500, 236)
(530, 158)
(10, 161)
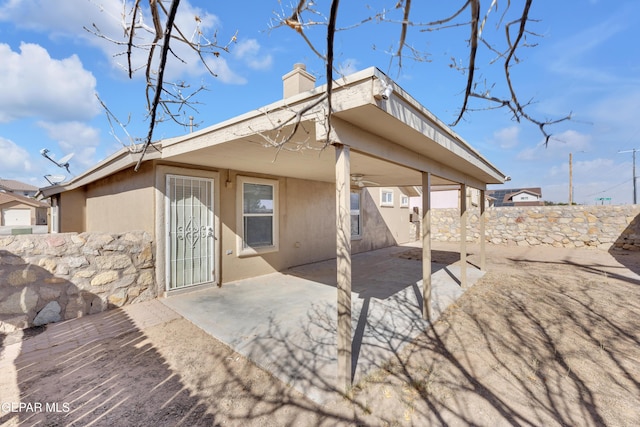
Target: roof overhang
(392, 139)
(16, 198)
(124, 158)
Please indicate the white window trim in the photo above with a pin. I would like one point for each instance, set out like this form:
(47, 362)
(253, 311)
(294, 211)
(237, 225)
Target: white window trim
(249, 251)
(55, 214)
(403, 203)
(360, 222)
(382, 192)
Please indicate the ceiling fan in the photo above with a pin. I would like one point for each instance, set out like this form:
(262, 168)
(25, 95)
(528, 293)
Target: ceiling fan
(358, 179)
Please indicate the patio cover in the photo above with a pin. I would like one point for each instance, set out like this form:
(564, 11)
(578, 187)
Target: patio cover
(387, 137)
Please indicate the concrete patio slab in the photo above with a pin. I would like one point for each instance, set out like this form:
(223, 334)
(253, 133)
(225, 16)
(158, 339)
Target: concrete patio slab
(286, 322)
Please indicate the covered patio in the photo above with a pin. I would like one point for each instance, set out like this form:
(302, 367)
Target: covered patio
(285, 322)
(378, 135)
(376, 130)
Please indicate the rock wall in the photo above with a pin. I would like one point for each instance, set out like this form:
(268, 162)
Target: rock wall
(54, 277)
(602, 227)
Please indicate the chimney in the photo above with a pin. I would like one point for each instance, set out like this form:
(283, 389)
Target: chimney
(297, 81)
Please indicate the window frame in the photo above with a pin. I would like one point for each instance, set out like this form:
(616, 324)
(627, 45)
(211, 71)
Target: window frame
(55, 214)
(384, 191)
(242, 249)
(357, 191)
(403, 203)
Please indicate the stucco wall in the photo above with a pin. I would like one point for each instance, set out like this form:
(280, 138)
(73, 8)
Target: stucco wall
(72, 211)
(48, 278)
(136, 200)
(122, 202)
(600, 227)
(382, 225)
(446, 199)
(307, 226)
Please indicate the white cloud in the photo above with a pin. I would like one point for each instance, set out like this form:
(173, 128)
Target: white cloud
(36, 85)
(249, 52)
(67, 17)
(13, 158)
(507, 138)
(77, 138)
(109, 17)
(348, 66)
(585, 168)
(559, 145)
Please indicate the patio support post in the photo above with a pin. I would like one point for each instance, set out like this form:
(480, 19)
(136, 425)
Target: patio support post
(463, 235)
(483, 237)
(426, 245)
(343, 260)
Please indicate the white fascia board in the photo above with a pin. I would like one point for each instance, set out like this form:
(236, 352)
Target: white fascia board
(442, 132)
(260, 120)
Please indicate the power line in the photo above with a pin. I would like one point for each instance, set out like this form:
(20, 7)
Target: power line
(608, 189)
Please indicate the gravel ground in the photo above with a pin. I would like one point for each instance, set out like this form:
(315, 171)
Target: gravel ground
(547, 337)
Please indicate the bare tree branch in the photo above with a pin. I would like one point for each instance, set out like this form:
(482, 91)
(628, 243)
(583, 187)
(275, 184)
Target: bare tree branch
(168, 100)
(473, 41)
(403, 32)
(333, 16)
(160, 80)
(281, 142)
(515, 104)
(111, 118)
(132, 33)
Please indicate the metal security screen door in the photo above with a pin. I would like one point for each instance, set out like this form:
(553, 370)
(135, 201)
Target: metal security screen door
(190, 252)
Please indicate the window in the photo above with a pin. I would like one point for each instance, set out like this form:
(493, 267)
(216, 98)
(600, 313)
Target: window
(258, 215)
(386, 197)
(404, 201)
(55, 214)
(356, 213)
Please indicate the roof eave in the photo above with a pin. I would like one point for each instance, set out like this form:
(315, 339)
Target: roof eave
(122, 159)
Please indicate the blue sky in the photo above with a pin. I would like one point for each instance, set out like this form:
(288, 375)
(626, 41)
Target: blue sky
(586, 62)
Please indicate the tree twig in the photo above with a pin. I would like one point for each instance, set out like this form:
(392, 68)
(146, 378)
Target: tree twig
(159, 82)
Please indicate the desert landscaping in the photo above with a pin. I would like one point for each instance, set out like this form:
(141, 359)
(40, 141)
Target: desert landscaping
(548, 337)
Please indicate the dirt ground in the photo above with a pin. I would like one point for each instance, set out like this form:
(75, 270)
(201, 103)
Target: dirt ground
(547, 337)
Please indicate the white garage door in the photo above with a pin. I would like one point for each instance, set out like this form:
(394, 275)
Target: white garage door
(16, 216)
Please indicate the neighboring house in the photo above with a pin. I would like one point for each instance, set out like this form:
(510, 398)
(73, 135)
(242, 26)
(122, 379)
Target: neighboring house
(448, 197)
(517, 197)
(17, 187)
(17, 210)
(224, 203)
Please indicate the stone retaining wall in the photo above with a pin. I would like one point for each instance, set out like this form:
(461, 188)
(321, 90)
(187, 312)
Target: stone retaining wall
(49, 278)
(602, 227)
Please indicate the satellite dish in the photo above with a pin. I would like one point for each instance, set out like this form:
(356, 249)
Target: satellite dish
(54, 179)
(62, 163)
(65, 160)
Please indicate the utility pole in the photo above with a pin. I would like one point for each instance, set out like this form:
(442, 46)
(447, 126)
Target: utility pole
(570, 179)
(571, 176)
(634, 171)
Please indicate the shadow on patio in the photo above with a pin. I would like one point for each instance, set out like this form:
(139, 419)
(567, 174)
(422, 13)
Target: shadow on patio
(286, 322)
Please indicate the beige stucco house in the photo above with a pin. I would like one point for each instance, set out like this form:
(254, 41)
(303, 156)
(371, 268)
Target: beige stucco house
(17, 187)
(448, 197)
(506, 197)
(230, 201)
(19, 211)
